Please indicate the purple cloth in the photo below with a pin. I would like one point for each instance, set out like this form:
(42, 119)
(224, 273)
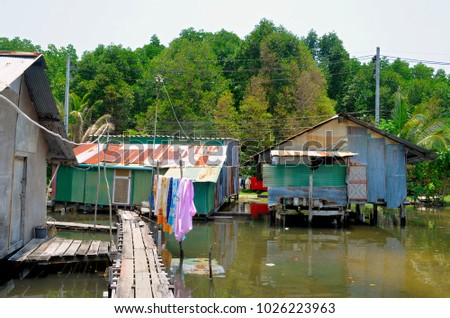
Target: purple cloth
(185, 209)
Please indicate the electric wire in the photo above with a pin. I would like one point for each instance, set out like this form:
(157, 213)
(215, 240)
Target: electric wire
(174, 113)
(20, 112)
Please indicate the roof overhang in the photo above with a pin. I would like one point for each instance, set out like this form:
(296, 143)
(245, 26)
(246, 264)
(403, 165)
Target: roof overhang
(311, 153)
(32, 66)
(414, 153)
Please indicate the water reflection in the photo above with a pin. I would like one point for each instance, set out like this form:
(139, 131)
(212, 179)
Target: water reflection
(362, 261)
(256, 259)
(78, 280)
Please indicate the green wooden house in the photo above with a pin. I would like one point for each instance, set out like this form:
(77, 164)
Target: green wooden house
(127, 166)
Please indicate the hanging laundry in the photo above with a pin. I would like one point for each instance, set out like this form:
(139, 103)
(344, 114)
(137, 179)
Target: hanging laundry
(166, 226)
(162, 209)
(169, 198)
(173, 203)
(185, 209)
(158, 199)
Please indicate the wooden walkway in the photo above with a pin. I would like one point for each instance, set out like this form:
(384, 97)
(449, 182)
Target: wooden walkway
(57, 250)
(138, 272)
(80, 226)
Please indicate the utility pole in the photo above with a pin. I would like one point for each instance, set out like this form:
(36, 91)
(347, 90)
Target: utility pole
(158, 80)
(66, 97)
(377, 87)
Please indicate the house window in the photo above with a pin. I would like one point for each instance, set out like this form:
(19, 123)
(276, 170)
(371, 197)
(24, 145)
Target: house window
(122, 184)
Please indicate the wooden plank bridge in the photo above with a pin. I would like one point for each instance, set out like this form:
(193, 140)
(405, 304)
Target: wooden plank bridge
(58, 250)
(139, 272)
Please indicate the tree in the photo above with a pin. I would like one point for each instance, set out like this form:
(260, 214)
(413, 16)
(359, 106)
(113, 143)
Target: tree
(113, 75)
(56, 59)
(80, 115)
(226, 117)
(255, 134)
(359, 94)
(334, 60)
(249, 57)
(150, 51)
(426, 128)
(19, 45)
(193, 83)
(101, 126)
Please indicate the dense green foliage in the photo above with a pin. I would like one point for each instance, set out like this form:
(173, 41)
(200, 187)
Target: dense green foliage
(260, 89)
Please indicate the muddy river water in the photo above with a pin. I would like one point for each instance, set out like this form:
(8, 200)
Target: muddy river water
(252, 258)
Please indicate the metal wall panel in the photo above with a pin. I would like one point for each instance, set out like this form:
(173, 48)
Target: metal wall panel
(298, 176)
(70, 184)
(204, 194)
(91, 186)
(395, 175)
(357, 143)
(141, 186)
(78, 184)
(376, 171)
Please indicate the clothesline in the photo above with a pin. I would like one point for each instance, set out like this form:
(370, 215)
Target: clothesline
(173, 203)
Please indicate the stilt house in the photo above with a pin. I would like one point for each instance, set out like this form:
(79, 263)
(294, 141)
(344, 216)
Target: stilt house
(130, 164)
(340, 161)
(26, 149)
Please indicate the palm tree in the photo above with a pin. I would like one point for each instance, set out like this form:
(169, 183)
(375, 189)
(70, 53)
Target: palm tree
(426, 128)
(80, 117)
(101, 125)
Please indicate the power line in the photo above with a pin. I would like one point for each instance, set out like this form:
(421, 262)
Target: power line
(173, 110)
(408, 59)
(20, 112)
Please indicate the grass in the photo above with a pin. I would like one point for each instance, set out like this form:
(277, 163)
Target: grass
(447, 199)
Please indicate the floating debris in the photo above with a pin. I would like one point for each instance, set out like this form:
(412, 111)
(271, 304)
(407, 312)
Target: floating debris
(198, 266)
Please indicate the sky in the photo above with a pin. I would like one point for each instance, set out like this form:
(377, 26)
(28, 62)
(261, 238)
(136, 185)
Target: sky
(410, 29)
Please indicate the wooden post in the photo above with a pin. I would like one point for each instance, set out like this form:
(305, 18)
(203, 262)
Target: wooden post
(402, 211)
(210, 262)
(181, 256)
(359, 214)
(181, 168)
(310, 210)
(374, 219)
(159, 242)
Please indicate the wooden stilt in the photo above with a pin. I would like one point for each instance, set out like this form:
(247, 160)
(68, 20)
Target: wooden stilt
(402, 211)
(181, 256)
(310, 210)
(210, 263)
(374, 219)
(159, 242)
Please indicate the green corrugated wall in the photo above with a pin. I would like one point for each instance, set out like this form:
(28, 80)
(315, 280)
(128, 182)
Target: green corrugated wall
(204, 196)
(90, 188)
(70, 183)
(298, 176)
(141, 187)
(80, 185)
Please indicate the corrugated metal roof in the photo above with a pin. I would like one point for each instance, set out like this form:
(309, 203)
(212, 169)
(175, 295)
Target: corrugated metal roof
(32, 65)
(311, 153)
(166, 156)
(11, 68)
(196, 174)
